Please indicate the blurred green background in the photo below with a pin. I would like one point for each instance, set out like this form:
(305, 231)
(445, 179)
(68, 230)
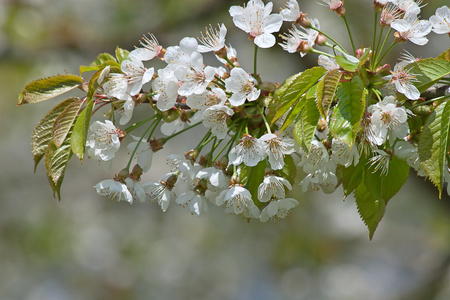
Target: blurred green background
(87, 247)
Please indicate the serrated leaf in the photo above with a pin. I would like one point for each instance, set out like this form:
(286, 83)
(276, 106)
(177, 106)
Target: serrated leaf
(445, 55)
(56, 159)
(293, 89)
(375, 190)
(352, 176)
(429, 71)
(433, 143)
(386, 186)
(346, 118)
(42, 134)
(326, 90)
(121, 54)
(346, 64)
(306, 124)
(112, 64)
(64, 121)
(47, 88)
(293, 114)
(370, 209)
(80, 131)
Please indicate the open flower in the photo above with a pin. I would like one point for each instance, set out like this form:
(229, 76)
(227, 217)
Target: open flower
(291, 11)
(150, 50)
(273, 187)
(213, 39)
(410, 28)
(300, 40)
(242, 86)
(161, 191)
(441, 20)
(216, 117)
(276, 149)
(256, 20)
(115, 190)
(238, 200)
(278, 209)
(136, 75)
(249, 151)
(403, 80)
(388, 120)
(143, 151)
(104, 141)
(166, 89)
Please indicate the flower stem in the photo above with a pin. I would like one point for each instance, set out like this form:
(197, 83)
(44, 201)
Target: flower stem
(138, 143)
(320, 52)
(386, 52)
(375, 25)
(349, 34)
(180, 132)
(328, 37)
(377, 60)
(430, 101)
(137, 125)
(255, 60)
(264, 118)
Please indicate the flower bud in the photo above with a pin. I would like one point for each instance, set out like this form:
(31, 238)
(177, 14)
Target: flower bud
(203, 161)
(170, 115)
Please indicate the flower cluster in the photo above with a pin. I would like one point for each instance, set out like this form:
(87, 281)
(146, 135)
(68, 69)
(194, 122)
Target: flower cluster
(232, 103)
(353, 120)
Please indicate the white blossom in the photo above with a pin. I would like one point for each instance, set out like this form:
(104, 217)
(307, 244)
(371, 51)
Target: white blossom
(410, 28)
(216, 117)
(342, 154)
(332, 4)
(403, 80)
(328, 63)
(114, 189)
(441, 20)
(291, 11)
(388, 120)
(150, 50)
(144, 152)
(380, 162)
(116, 86)
(278, 209)
(406, 151)
(249, 151)
(243, 87)
(161, 191)
(166, 88)
(213, 39)
(201, 102)
(300, 39)
(104, 141)
(273, 187)
(136, 75)
(194, 79)
(238, 200)
(256, 19)
(276, 148)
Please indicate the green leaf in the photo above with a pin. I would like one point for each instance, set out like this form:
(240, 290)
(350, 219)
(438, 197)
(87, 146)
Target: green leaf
(252, 177)
(346, 118)
(326, 90)
(386, 186)
(293, 114)
(289, 170)
(445, 55)
(293, 89)
(352, 176)
(102, 60)
(42, 134)
(56, 159)
(121, 54)
(64, 122)
(306, 124)
(433, 143)
(112, 64)
(374, 192)
(346, 64)
(429, 71)
(47, 88)
(370, 209)
(80, 131)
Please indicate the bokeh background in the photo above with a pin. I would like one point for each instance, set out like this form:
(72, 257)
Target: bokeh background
(87, 247)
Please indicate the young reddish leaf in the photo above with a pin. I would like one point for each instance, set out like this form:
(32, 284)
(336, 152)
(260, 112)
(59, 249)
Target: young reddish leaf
(47, 88)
